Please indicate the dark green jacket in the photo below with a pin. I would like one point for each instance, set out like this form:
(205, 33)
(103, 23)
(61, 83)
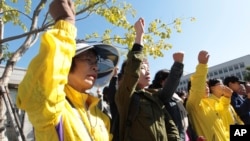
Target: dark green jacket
(149, 124)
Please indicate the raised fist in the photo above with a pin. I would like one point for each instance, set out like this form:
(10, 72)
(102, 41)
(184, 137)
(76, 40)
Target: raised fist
(178, 57)
(62, 10)
(227, 92)
(203, 57)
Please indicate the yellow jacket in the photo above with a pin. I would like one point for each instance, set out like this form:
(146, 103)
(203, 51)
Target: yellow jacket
(205, 113)
(42, 93)
(227, 113)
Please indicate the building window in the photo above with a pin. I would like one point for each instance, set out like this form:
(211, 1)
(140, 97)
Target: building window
(187, 82)
(236, 67)
(211, 74)
(215, 73)
(225, 70)
(244, 73)
(230, 68)
(220, 71)
(239, 75)
(242, 65)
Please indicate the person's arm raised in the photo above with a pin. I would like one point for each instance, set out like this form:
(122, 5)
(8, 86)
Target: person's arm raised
(139, 29)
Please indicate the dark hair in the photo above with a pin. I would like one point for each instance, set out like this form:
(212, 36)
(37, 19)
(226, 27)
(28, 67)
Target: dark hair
(212, 82)
(159, 77)
(232, 79)
(105, 93)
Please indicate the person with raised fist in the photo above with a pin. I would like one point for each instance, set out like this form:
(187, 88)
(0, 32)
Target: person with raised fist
(54, 91)
(205, 113)
(142, 114)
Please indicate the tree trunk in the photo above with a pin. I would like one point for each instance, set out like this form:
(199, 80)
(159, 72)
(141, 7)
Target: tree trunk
(13, 117)
(3, 136)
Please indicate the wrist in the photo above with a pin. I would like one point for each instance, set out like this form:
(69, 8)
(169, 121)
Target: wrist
(70, 20)
(139, 39)
(66, 18)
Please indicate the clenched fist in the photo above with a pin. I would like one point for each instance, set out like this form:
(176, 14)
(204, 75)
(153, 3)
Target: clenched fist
(62, 10)
(203, 57)
(178, 57)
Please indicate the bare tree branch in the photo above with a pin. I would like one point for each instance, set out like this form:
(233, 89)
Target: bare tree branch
(22, 49)
(18, 12)
(87, 8)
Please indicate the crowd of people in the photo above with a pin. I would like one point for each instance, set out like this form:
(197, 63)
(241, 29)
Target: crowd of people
(60, 107)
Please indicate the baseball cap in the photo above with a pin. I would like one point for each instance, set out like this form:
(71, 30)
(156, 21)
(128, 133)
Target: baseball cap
(108, 58)
(232, 79)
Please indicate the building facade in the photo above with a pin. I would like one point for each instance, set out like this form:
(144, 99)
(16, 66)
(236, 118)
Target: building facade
(14, 80)
(236, 67)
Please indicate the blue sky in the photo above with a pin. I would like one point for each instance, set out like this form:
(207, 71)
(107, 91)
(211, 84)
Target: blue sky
(221, 28)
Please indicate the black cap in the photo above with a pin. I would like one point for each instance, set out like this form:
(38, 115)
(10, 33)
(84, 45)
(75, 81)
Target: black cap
(232, 79)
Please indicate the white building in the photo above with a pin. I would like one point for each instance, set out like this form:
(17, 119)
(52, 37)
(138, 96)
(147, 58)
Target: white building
(15, 79)
(16, 76)
(236, 67)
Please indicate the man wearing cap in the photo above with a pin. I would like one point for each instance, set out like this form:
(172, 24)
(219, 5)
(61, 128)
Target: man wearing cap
(240, 104)
(54, 89)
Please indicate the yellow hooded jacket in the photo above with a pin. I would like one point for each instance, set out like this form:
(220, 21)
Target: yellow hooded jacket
(42, 93)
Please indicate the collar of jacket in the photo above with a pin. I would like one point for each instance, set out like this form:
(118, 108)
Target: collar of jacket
(80, 99)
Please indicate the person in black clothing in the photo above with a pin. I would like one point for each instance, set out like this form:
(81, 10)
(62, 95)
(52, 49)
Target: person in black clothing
(174, 106)
(109, 96)
(241, 105)
(109, 93)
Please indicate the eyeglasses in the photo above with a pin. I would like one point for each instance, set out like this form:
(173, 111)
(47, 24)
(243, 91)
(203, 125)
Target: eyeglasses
(90, 62)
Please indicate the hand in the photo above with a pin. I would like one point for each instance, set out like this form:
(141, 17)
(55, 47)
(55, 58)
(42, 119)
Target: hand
(203, 57)
(62, 10)
(139, 29)
(227, 92)
(178, 57)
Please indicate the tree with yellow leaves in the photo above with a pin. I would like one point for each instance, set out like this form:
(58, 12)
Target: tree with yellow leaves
(34, 19)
